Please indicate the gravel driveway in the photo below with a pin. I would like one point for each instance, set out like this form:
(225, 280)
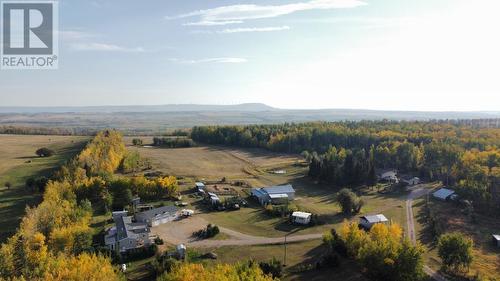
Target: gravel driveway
(181, 231)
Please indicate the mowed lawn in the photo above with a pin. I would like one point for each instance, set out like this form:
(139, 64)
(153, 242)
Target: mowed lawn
(486, 255)
(19, 163)
(301, 253)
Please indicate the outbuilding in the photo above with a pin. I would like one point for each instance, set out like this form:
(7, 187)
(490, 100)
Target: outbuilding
(496, 240)
(301, 217)
(187, 212)
(200, 187)
(443, 194)
(412, 181)
(389, 176)
(157, 216)
(368, 221)
(278, 194)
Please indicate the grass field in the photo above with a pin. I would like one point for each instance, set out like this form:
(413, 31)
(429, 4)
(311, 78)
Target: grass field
(19, 163)
(486, 256)
(301, 253)
(210, 162)
(308, 252)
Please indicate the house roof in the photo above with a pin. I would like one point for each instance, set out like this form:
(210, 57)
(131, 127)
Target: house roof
(303, 215)
(158, 211)
(411, 178)
(496, 237)
(375, 218)
(125, 228)
(443, 193)
(388, 174)
(287, 188)
(258, 192)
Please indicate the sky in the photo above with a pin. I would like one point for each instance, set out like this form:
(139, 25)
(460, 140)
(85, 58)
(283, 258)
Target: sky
(436, 55)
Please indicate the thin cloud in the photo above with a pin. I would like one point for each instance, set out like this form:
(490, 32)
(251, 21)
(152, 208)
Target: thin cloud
(253, 29)
(105, 48)
(75, 35)
(211, 60)
(239, 13)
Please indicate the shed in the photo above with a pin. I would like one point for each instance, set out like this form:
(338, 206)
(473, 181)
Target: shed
(389, 176)
(443, 193)
(368, 221)
(187, 212)
(412, 181)
(301, 217)
(200, 187)
(496, 239)
(181, 251)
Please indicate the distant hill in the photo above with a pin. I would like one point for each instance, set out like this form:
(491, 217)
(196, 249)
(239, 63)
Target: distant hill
(158, 118)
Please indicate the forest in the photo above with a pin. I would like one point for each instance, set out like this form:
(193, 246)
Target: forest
(55, 240)
(463, 154)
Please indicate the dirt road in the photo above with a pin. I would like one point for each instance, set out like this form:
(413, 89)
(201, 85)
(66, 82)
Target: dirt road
(178, 232)
(416, 192)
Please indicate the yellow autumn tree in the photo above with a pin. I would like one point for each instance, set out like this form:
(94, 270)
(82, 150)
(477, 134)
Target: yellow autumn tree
(84, 267)
(353, 237)
(219, 272)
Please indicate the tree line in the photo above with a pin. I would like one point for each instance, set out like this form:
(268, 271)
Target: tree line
(173, 142)
(464, 154)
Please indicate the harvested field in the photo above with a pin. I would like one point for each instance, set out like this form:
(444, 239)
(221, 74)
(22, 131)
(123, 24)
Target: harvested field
(212, 162)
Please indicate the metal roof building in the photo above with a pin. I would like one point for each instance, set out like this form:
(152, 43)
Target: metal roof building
(277, 193)
(368, 221)
(443, 193)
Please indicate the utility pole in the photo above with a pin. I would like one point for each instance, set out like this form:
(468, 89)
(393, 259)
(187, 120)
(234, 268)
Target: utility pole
(284, 258)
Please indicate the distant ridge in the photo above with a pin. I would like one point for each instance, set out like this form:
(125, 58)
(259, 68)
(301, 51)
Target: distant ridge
(151, 119)
(246, 107)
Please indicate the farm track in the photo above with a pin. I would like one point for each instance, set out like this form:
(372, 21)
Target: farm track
(414, 194)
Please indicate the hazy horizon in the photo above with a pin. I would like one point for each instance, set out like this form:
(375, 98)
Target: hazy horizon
(229, 106)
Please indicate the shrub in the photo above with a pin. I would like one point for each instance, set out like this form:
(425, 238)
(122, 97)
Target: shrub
(208, 232)
(272, 267)
(330, 260)
(349, 201)
(136, 141)
(44, 152)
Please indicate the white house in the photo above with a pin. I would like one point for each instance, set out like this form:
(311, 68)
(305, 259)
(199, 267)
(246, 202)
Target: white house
(368, 221)
(301, 217)
(443, 194)
(157, 216)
